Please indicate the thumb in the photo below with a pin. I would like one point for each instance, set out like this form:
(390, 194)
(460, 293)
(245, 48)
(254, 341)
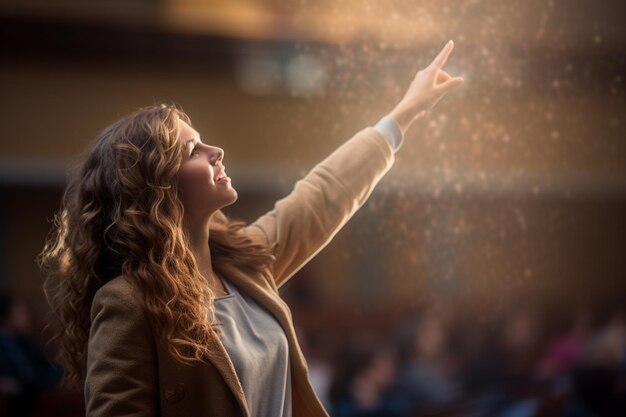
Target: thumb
(450, 84)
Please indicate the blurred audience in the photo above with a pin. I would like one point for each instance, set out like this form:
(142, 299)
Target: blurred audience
(444, 361)
(565, 349)
(363, 384)
(518, 365)
(599, 377)
(321, 371)
(24, 369)
(427, 377)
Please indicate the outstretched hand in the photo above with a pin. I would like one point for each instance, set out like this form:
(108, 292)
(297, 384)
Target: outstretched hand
(427, 88)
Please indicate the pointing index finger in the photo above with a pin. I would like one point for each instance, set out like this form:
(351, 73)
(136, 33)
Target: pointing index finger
(442, 57)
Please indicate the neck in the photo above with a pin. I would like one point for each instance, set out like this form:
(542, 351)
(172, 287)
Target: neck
(198, 232)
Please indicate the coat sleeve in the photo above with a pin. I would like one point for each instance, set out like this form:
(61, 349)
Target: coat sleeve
(303, 222)
(121, 376)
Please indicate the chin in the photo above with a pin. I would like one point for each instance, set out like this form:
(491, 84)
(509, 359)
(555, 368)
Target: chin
(233, 198)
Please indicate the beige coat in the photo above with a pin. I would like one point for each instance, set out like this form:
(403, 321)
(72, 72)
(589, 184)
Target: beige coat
(130, 374)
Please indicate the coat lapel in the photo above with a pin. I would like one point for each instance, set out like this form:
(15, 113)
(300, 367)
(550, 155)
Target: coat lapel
(221, 361)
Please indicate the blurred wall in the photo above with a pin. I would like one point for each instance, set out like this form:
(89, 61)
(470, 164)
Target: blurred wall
(512, 190)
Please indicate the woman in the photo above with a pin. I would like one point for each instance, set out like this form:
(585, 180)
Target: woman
(153, 319)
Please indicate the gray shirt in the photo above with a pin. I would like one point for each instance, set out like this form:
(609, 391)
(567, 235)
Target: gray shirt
(257, 346)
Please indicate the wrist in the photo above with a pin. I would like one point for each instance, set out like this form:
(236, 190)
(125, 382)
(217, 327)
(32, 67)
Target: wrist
(405, 116)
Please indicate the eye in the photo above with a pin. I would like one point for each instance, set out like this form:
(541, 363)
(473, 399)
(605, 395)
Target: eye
(193, 151)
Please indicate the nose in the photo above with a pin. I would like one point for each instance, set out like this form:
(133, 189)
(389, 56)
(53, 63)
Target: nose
(215, 155)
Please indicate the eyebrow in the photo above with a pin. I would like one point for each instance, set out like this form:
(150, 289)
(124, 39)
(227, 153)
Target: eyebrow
(190, 141)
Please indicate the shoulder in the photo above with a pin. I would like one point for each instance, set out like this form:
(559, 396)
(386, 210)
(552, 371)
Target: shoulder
(117, 294)
(256, 234)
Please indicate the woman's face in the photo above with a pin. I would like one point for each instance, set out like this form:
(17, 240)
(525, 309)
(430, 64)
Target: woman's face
(202, 181)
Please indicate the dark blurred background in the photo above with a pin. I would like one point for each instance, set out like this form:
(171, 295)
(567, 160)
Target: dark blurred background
(484, 276)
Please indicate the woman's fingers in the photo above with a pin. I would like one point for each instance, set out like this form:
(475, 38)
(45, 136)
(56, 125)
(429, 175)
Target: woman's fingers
(450, 84)
(445, 82)
(442, 77)
(442, 57)
(427, 88)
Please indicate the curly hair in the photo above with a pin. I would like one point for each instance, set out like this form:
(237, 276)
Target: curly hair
(120, 215)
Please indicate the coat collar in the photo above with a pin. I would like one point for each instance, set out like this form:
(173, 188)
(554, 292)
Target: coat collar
(258, 288)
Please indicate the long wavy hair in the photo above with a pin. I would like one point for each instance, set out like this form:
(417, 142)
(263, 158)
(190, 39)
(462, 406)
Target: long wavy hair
(120, 215)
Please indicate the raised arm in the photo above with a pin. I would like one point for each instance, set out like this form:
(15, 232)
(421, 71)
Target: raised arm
(302, 223)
